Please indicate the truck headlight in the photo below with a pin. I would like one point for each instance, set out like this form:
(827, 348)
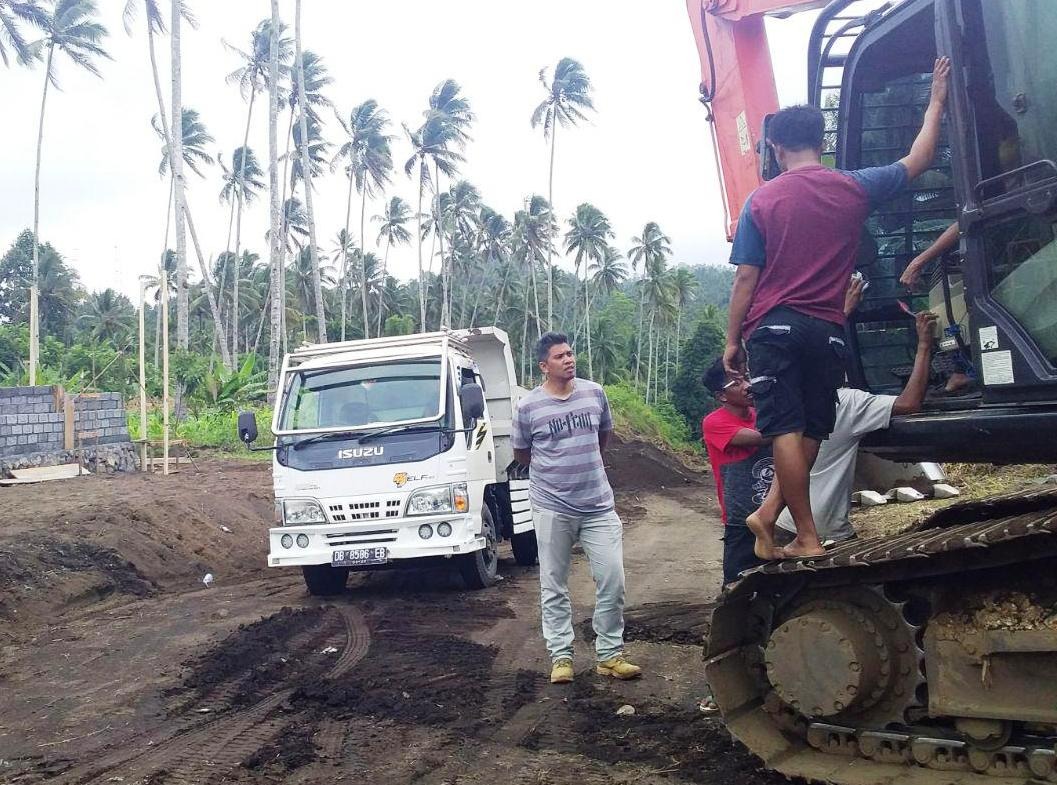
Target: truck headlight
(301, 511)
(439, 499)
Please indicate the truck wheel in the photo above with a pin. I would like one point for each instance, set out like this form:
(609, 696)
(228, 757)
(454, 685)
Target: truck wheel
(480, 567)
(526, 551)
(323, 580)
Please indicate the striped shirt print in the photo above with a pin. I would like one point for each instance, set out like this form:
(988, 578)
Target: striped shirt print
(566, 474)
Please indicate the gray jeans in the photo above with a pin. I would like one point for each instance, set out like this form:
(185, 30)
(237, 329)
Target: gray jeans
(602, 538)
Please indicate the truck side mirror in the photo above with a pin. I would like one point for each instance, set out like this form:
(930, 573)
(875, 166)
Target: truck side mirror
(768, 163)
(247, 427)
(471, 396)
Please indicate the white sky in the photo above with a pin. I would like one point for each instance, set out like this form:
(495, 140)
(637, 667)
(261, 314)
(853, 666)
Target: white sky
(645, 156)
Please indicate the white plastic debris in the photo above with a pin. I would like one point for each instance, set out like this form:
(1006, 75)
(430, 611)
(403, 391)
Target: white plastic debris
(207, 579)
(626, 710)
(407, 695)
(906, 494)
(225, 529)
(330, 650)
(944, 491)
(869, 498)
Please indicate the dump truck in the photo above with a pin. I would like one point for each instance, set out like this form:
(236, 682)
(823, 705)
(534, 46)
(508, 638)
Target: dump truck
(928, 657)
(395, 452)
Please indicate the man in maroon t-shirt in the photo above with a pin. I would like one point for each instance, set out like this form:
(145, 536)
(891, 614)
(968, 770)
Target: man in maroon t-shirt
(795, 248)
(741, 463)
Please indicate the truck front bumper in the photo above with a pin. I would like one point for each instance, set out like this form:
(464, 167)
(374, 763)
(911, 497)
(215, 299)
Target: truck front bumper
(399, 536)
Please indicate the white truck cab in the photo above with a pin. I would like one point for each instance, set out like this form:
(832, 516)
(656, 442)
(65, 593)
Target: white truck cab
(395, 452)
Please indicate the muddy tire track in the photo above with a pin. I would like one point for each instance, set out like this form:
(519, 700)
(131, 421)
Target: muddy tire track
(191, 754)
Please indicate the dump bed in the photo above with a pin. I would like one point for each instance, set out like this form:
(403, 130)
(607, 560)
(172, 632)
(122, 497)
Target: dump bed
(490, 348)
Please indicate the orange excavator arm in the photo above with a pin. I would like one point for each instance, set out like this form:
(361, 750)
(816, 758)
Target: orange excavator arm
(737, 85)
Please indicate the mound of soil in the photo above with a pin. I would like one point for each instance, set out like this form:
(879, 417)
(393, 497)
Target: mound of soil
(671, 740)
(635, 466)
(70, 544)
(686, 623)
(411, 678)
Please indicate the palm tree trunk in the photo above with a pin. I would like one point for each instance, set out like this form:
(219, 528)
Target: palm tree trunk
(524, 346)
(34, 290)
(536, 294)
(421, 278)
(480, 287)
(649, 359)
(237, 273)
(642, 310)
(439, 222)
(502, 291)
(260, 323)
(207, 286)
(161, 269)
(345, 258)
(587, 316)
(164, 119)
(176, 161)
(238, 235)
(678, 338)
(363, 258)
(381, 297)
(273, 182)
(306, 172)
(667, 360)
(550, 243)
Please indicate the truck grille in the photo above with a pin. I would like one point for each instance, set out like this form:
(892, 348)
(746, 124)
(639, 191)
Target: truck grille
(370, 537)
(364, 510)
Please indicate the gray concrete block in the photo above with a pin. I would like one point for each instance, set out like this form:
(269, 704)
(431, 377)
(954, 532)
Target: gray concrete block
(23, 419)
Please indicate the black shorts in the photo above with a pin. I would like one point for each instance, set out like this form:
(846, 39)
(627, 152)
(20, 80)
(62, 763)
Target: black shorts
(796, 364)
(738, 555)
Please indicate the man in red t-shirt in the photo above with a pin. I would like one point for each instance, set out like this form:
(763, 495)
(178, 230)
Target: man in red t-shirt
(796, 245)
(741, 463)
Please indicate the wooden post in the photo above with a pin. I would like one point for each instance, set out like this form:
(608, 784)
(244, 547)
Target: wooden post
(142, 376)
(164, 278)
(68, 423)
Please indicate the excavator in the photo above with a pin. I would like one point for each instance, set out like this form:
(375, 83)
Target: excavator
(927, 657)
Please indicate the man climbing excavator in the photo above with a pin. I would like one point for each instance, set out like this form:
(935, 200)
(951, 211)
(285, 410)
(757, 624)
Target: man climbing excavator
(929, 657)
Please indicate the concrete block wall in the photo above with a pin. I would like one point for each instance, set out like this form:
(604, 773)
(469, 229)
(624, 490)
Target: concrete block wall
(99, 418)
(32, 420)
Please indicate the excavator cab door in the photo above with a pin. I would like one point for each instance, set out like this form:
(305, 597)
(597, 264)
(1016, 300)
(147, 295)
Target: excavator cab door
(769, 168)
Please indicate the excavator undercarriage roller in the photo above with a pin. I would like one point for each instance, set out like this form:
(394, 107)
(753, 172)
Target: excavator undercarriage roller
(841, 669)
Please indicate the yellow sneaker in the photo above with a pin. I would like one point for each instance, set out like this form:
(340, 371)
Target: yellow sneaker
(619, 668)
(562, 671)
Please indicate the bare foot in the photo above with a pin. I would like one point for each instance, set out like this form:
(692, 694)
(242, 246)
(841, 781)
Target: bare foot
(957, 382)
(800, 550)
(764, 548)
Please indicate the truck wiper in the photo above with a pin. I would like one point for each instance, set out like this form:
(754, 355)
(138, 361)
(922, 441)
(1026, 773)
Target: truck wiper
(322, 437)
(399, 428)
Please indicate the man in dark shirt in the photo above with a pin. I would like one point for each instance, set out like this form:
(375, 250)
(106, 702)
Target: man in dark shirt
(795, 248)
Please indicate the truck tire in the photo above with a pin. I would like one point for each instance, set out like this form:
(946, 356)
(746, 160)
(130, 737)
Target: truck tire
(525, 549)
(479, 568)
(323, 580)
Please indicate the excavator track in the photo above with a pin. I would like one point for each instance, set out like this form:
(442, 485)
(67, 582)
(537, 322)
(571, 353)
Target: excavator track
(860, 608)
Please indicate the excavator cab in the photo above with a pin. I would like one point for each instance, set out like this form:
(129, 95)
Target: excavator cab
(994, 175)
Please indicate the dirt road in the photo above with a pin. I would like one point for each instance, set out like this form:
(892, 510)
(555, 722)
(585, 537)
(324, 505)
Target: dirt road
(118, 665)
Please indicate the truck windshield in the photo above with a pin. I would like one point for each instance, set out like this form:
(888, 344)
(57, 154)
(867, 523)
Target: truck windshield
(362, 395)
(1011, 82)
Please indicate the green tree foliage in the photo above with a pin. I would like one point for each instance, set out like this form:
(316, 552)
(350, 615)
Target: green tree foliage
(60, 290)
(689, 395)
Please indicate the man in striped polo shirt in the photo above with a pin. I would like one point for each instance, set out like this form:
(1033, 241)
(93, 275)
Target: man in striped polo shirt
(560, 430)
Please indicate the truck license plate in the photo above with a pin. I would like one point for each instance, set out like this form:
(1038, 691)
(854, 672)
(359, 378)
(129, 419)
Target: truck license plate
(358, 557)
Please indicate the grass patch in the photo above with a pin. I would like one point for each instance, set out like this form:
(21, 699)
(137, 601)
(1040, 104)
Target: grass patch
(659, 423)
(211, 428)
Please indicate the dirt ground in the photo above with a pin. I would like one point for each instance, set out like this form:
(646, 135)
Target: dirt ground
(117, 664)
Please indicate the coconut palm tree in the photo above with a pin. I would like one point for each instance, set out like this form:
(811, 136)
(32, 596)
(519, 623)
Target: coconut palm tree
(369, 166)
(275, 250)
(610, 272)
(242, 182)
(431, 142)
(684, 286)
(108, 315)
(588, 237)
(494, 235)
(460, 214)
(194, 140)
(393, 220)
(317, 279)
(568, 99)
(69, 28)
(649, 248)
(12, 14)
(534, 231)
(454, 110)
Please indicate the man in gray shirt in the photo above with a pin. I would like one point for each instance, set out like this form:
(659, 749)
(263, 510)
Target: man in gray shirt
(560, 430)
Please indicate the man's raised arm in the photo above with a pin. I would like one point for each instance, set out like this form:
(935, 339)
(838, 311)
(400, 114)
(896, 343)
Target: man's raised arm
(924, 148)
